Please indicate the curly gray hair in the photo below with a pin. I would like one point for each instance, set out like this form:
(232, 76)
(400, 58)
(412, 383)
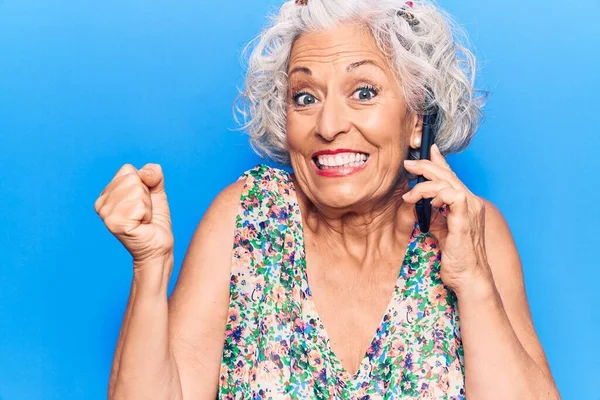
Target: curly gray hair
(430, 53)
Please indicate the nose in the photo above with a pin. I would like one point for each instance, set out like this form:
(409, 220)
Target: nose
(333, 120)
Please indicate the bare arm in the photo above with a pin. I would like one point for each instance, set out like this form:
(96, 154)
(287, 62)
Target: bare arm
(172, 349)
(114, 372)
(199, 304)
(503, 355)
(143, 365)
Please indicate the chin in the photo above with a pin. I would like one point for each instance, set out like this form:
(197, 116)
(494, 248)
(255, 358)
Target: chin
(342, 195)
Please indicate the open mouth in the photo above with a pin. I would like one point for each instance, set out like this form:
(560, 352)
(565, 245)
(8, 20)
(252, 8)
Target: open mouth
(340, 160)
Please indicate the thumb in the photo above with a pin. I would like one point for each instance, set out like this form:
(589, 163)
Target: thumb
(152, 176)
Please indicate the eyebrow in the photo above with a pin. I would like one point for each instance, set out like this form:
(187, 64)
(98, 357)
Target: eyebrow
(349, 68)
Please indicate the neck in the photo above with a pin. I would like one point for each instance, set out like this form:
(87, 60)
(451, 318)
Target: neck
(365, 231)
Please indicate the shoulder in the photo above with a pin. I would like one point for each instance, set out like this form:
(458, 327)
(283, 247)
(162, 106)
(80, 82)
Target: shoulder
(266, 186)
(498, 236)
(258, 177)
(208, 257)
(213, 236)
(497, 231)
(226, 202)
(257, 182)
(265, 177)
(491, 211)
(501, 250)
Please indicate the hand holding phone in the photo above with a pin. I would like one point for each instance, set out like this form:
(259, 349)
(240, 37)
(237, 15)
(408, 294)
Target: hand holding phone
(423, 206)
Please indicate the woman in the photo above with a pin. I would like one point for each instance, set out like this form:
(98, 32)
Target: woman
(332, 290)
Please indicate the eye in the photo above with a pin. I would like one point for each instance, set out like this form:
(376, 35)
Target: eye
(304, 99)
(364, 93)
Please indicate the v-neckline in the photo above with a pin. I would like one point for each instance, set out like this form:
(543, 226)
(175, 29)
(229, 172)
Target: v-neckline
(340, 370)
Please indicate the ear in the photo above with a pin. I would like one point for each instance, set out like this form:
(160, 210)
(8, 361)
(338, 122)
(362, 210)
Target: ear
(416, 131)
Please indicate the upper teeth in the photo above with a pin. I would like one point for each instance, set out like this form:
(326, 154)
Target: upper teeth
(341, 159)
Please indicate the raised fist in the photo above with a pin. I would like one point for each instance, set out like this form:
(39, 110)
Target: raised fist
(134, 208)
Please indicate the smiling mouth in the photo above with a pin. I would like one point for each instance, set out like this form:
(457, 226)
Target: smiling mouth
(340, 160)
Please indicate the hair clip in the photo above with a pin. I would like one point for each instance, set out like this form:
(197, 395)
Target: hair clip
(408, 16)
(302, 2)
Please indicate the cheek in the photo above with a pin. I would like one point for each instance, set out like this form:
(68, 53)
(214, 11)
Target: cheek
(300, 136)
(294, 133)
(386, 121)
(388, 133)
(297, 145)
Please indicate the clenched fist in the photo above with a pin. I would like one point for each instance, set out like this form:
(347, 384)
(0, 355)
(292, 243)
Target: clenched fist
(134, 208)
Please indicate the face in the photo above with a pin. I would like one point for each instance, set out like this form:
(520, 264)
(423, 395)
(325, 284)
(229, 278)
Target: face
(348, 127)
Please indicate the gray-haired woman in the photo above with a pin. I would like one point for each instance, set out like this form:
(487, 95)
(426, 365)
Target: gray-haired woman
(320, 284)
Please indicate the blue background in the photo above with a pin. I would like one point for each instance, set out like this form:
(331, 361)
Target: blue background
(86, 86)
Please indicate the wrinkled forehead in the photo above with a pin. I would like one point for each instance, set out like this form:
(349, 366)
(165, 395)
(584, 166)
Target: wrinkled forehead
(337, 46)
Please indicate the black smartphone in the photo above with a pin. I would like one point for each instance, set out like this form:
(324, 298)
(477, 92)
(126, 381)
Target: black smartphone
(423, 206)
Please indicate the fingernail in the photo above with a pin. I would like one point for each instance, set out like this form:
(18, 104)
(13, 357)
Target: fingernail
(405, 195)
(409, 162)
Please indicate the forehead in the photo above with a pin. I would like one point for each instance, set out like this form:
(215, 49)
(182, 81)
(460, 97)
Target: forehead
(341, 44)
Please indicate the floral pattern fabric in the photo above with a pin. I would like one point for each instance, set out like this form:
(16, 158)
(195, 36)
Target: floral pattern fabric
(276, 346)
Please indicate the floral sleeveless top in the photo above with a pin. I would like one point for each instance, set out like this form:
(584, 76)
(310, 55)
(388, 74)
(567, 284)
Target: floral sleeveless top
(276, 346)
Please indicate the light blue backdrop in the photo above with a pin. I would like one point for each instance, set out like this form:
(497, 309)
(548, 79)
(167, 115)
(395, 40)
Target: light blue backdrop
(86, 86)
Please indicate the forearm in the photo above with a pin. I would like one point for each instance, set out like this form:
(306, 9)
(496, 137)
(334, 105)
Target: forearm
(496, 364)
(114, 373)
(143, 365)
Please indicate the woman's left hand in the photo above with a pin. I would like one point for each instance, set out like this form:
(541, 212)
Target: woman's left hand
(463, 247)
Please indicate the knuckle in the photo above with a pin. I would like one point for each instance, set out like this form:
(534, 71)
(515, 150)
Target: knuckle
(444, 183)
(140, 191)
(103, 212)
(127, 168)
(131, 179)
(445, 191)
(138, 204)
(123, 204)
(112, 223)
(139, 207)
(145, 189)
(98, 204)
(462, 196)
